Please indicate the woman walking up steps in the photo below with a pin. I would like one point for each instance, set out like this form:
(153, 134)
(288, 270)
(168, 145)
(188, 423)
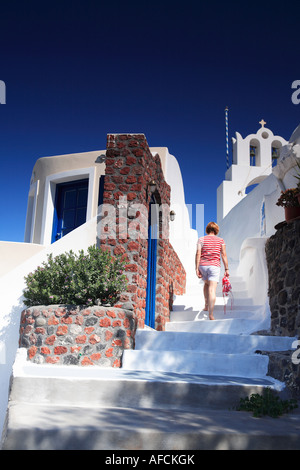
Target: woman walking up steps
(210, 250)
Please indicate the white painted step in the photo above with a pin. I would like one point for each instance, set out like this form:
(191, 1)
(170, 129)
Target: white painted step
(237, 283)
(197, 291)
(193, 314)
(209, 342)
(241, 294)
(52, 385)
(194, 296)
(235, 326)
(185, 302)
(40, 427)
(198, 363)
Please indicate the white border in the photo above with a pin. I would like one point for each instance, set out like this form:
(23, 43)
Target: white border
(31, 212)
(49, 197)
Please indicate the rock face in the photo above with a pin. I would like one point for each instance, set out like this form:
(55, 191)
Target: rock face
(283, 259)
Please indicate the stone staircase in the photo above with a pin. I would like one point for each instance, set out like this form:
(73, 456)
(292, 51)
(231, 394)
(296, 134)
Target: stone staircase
(176, 391)
(223, 348)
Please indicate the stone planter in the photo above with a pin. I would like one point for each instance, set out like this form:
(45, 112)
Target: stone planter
(65, 334)
(291, 213)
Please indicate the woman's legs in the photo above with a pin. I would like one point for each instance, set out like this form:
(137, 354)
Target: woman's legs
(205, 292)
(210, 288)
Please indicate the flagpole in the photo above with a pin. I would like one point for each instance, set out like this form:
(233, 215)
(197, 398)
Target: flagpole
(226, 134)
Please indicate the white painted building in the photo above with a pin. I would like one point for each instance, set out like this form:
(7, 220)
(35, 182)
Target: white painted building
(247, 220)
(252, 161)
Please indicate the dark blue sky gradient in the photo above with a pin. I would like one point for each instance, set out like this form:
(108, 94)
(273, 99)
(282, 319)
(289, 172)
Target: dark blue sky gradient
(78, 70)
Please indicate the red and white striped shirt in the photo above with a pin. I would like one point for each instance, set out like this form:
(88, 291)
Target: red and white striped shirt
(210, 246)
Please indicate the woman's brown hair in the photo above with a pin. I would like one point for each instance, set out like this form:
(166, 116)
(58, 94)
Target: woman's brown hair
(212, 227)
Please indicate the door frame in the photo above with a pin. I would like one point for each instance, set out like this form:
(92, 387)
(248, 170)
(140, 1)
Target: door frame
(57, 221)
(153, 233)
(49, 198)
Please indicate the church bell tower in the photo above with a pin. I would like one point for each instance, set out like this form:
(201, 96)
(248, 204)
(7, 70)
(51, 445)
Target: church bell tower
(252, 161)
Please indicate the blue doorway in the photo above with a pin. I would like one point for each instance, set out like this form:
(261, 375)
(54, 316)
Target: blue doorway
(151, 267)
(70, 207)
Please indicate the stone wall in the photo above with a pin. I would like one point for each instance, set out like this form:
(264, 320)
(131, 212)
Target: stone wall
(77, 336)
(283, 259)
(284, 366)
(130, 166)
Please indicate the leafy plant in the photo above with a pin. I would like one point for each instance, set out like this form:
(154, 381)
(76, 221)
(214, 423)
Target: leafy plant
(288, 198)
(266, 404)
(81, 279)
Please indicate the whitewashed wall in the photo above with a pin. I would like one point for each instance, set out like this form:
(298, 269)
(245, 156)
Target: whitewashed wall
(11, 295)
(182, 237)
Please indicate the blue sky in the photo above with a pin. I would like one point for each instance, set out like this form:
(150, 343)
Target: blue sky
(78, 70)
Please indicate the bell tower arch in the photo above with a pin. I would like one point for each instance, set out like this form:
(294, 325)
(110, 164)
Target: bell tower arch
(252, 161)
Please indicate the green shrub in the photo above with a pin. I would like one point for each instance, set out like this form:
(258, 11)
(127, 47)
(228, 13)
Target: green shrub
(82, 279)
(266, 404)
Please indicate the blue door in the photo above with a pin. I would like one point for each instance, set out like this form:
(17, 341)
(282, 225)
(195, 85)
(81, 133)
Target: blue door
(70, 207)
(151, 267)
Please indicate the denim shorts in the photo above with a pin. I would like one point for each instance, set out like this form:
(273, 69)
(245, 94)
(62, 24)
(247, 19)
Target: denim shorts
(210, 273)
